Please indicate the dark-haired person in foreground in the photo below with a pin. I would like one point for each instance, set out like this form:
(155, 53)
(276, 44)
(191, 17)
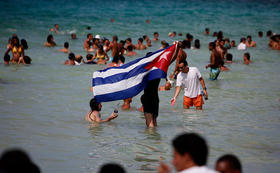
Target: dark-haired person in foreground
(190, 152)
(17, 160)
(228, 164)
(95, 116)
(111, 167)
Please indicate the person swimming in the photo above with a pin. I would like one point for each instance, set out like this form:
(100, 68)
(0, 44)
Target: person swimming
(50, 41)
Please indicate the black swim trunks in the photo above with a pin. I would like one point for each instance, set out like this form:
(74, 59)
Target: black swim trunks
(149, 99)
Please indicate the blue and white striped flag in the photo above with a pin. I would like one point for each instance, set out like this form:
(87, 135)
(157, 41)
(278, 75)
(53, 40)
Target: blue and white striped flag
(128, 80)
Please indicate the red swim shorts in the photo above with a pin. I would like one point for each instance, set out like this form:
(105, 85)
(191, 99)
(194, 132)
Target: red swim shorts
(197, 101)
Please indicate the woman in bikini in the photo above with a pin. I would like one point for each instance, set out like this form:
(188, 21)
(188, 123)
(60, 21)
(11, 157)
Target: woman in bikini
(101, 56)
(16, 49)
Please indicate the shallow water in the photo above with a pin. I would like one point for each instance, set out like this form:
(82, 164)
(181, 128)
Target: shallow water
(42, 106)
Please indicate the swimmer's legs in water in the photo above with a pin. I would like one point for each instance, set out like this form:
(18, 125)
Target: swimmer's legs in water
(150, 120)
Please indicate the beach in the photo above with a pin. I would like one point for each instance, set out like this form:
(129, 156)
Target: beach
(42, 106)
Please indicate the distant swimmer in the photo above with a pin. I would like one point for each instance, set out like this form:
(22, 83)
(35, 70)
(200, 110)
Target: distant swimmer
(71, 59)
(242, 44)
(95, 116)
(207, 31)
(156, 35)
(246, 58)
(130, 51)
(55, 29)
(7, 59)
(74, 36)
(250, 42)
(65, 49)
(140, 45)
(260, 33)
(90, 59)
(189, 78)
(215, 62)
(16, 48)
(88, 42)
(129, 42)
(50, 41)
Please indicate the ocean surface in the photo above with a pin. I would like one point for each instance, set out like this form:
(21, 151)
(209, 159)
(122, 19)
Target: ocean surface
(42, 106)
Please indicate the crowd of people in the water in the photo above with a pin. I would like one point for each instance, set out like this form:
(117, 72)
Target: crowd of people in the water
(112, 53)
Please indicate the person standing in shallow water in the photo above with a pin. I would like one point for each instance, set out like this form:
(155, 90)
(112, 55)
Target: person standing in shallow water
(215, 62)
(189, 78)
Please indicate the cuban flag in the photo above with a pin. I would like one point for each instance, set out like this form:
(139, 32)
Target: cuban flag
(128, 80)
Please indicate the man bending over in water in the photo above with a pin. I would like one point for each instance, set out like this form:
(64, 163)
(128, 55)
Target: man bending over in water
(95, 116)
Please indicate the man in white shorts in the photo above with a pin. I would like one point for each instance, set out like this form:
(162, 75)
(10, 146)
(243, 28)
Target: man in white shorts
(189, 78)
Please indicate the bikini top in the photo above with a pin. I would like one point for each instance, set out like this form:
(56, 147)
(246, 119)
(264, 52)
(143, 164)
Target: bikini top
(16, 50)
(100, 57)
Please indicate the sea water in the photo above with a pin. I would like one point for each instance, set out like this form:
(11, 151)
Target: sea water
(42, 106)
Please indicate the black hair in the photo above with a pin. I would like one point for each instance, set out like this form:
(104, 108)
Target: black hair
(192, 144)
(27, 59)
(49, 38)
(129, 39)
(71, 56)
(17, 160)
(206, 29)
(229, 57)
(129, 48)
(123, 42)
(66, 45)
(220, 34)
(232, 160)
(155, 33)
(88, 35)
(183, 61)
(144, 37)
(88, 27)
(215, 34)
(141, 40)
(269, 33)
(111, 167)
(197, 44)
(15, 38)
(260, 33)
(212, 44)
(89, 56)
(187, 44)
(189, 36)
(122, 58)
(94, 104)
(7, 58)
(23, 42)
(249, 36)
(242, 39)
(247, 54)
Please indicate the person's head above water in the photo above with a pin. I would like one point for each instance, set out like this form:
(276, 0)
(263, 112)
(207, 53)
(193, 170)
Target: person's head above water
(94, 105)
